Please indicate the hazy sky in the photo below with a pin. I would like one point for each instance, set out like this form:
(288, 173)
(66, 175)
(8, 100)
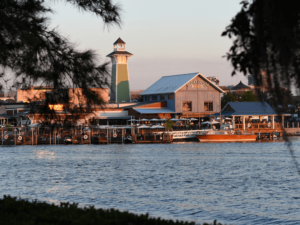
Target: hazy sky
(166, 37)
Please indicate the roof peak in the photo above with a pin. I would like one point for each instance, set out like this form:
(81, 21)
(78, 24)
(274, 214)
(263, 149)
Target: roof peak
(119, 41)
(181, 74)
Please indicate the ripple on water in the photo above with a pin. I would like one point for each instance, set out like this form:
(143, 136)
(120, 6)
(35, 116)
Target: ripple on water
(235, 183)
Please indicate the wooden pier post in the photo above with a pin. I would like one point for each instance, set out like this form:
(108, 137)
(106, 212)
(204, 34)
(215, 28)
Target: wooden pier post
(89, 136)
(15, 136)
(122, 134)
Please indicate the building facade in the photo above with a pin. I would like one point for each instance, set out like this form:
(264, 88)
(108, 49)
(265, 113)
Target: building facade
(186, 95)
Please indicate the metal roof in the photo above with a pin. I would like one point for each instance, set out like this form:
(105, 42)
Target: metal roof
(119, 41)
(138, 104)
(113, 118)
(251, 107)
(113, 113)
(241, 86)
(247, 109)
(170, 84)
(5, 116)
(119, 53)
(153, 110)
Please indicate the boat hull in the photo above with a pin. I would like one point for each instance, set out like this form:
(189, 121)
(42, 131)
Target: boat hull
(226, 138)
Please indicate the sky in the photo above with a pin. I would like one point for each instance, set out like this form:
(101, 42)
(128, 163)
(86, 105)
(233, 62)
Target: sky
(165, 37)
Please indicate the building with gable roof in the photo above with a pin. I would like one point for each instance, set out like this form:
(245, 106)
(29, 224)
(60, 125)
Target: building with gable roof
(184, 95)
(257, 117)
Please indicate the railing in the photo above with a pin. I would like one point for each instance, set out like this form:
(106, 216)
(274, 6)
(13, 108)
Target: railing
(253, 126)
(291, 125)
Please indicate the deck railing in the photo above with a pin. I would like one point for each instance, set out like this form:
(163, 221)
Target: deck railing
(255, 126)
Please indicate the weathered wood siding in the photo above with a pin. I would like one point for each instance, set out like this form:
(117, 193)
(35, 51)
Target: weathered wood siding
(197, 91)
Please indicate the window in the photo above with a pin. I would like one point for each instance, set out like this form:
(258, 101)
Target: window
(162, 97)
(170, 96)
(154, 97)
(146, 98)
(9, 112)
(121, 59)
(208, 106)
(187, 106)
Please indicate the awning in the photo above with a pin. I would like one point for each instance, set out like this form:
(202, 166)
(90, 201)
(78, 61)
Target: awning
(153, 110)
(112, 118)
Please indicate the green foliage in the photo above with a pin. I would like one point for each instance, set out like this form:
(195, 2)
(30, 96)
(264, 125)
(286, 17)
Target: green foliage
(283, 97)
(169, 124)
(227, 97)
(266, 36)
(32, 52)
(13, 211)
(9, 127)
(248, 96)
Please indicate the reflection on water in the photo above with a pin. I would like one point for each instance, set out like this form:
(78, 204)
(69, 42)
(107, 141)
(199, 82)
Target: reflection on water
(44, 154)
(235, 183)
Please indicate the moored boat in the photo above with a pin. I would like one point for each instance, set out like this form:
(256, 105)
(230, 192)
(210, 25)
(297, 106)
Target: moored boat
(226, 136)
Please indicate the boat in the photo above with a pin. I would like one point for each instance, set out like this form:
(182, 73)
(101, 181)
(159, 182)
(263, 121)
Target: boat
(226, 136)
(184, 135)
(127, 139)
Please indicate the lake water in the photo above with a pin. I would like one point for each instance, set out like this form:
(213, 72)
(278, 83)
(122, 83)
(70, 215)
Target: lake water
(235, 183)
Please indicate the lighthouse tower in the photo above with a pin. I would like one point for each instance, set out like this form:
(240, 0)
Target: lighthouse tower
(120, 91)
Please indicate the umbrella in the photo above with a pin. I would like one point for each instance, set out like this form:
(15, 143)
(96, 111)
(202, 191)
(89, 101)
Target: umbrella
(206, 122)
(143, 119)
(34, 125)
(193, 119)
(157, 127)
(132, 120)
(127, 127)
(102, 126)
(143, 126)
(173, 119)
(214, 122)
(154, 119)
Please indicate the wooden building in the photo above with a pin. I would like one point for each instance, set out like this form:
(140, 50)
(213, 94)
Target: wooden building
(183, 95)
(253, 117)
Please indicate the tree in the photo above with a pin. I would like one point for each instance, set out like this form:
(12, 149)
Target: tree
(286, 96)
(267, 36)
(34, 53)
(248, 96)
(227, 97)
(169, 124)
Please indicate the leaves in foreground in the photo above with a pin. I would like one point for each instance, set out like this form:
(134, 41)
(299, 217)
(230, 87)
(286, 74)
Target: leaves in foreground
(20, 211)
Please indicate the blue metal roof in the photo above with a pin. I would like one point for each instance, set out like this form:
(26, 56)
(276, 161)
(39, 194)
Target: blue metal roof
(247, 109)
(170, 84)
(251, 108)
(153, 110)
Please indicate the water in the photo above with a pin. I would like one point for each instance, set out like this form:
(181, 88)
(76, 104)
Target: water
(235, 183)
